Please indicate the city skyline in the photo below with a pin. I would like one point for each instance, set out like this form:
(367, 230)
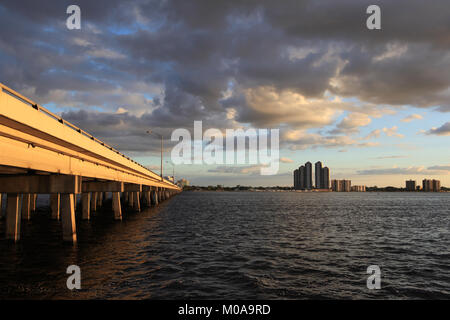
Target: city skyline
(372, 104)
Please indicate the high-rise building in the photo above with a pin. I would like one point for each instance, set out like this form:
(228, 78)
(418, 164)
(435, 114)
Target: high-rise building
(296, 179)
(410, 185)
(325, 176)
(301, 177)
(318, 175)
(308, 176)
(358, 188)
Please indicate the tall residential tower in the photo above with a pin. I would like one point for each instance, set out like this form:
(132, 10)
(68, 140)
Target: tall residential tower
(318, 174)
(303, 177)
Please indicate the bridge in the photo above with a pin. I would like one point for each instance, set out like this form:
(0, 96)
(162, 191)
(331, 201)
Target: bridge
(41, 153)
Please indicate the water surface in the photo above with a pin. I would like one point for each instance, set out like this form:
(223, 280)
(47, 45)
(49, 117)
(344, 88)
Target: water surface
(241, 245)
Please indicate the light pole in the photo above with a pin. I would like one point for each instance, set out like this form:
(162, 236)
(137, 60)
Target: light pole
(173, 171)
(159, 135)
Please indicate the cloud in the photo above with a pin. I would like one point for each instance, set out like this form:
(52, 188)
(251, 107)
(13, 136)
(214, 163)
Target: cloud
(389, 157)
(441, 167)
(286, 160)
(403, 171)
(351, 123)
(301, 140)
(412, 117)
(392, 132)
(105, 53)
(373, 134)
(393, 50)
(253, 169)
(443, 130)
(166, 64)
(267, 107)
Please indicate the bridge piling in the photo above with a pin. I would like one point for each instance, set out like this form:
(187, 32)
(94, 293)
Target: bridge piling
(13, 217)
(148, 198)
(100, 200)
(26, 206)
(136, 201)
(33, 201)
(154, 198)
(93, 206)
(117, 209)
(130, 199)
(55, 204)
(86, 205)
(68, 217)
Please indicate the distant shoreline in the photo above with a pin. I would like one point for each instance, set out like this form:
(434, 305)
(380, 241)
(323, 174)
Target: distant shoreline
(309, 191)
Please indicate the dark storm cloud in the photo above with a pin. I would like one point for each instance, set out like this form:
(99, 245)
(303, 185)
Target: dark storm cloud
(168, 63)
(443, 130)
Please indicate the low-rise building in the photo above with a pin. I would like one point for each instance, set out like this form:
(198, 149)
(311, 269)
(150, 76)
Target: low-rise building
(341, 185)
(429, 185)
(358, 188)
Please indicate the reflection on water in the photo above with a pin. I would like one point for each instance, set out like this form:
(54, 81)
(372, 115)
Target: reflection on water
(241, 245)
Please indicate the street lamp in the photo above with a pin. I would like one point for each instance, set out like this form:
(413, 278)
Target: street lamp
(173, 172)
(159, 135)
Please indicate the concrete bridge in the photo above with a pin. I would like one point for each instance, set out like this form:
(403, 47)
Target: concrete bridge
(41, 153)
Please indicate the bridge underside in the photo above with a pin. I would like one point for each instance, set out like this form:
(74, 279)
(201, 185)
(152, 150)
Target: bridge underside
(22, 187)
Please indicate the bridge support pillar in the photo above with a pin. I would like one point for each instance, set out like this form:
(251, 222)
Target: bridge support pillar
(130, 199)
(86, 205)
(13, 216)
(68, 217)
(167, 194)
(101, 189)
(134, 191)
(55, 204)
(136, 201)
(100, 199)
(148, 197)
(26, 206)
(154, 198)
(33, 202)
(94, 196)
(116, 206)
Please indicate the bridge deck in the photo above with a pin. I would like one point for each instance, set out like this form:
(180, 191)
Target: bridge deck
(33, 138)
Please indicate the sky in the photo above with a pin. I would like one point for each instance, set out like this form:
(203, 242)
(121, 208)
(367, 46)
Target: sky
(372, 105)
